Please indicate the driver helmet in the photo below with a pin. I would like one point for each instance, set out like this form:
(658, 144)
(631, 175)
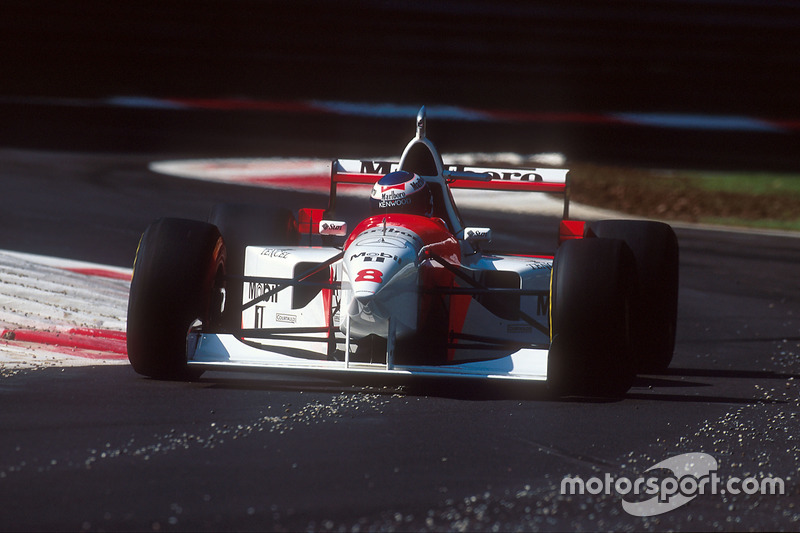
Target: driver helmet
(401, 192)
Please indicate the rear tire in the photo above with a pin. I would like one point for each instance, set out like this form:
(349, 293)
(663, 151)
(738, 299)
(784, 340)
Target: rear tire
(243, 225)
(177, 272)
(655, 310)
(590, 305)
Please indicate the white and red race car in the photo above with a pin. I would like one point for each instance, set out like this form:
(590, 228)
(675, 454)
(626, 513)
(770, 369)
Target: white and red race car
(255, 288)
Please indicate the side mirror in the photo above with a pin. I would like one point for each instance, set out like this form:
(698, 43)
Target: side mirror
(335, 228)
(476, 236)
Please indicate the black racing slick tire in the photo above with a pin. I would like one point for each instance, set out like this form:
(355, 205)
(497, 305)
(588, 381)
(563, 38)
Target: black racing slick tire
(176, 282)
(655, 248)
(590, 305)
(243, 225)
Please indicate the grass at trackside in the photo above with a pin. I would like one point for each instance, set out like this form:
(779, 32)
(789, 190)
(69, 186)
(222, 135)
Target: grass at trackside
(752, 184)
(787, 225)
(757, 200)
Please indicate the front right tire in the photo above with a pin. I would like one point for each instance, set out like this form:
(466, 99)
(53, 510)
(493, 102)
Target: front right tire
(176, 284)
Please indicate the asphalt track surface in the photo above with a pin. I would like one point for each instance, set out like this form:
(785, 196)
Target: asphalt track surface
(100, 448)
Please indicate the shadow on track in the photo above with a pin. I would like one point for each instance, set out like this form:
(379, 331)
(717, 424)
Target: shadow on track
(488, 391)
(455, 389)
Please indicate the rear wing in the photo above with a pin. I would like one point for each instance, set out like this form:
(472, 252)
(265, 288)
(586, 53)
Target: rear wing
(548, 180)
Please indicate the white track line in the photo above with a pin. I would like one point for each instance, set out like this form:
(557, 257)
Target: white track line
(46, 293)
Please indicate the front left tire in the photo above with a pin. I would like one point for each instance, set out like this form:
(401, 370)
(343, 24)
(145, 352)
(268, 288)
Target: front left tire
(655, 308)
(590, 297)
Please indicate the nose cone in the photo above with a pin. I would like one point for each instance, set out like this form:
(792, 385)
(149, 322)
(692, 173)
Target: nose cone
(367, 284)
(380, 294)
(368, 280)
(373, 264)
(362, 305)
(380, 278)
(364, 295)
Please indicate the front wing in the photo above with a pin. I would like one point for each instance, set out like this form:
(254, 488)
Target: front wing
(220, 351)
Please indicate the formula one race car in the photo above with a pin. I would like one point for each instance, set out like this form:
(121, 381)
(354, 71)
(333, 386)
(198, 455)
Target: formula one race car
(408, 291)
